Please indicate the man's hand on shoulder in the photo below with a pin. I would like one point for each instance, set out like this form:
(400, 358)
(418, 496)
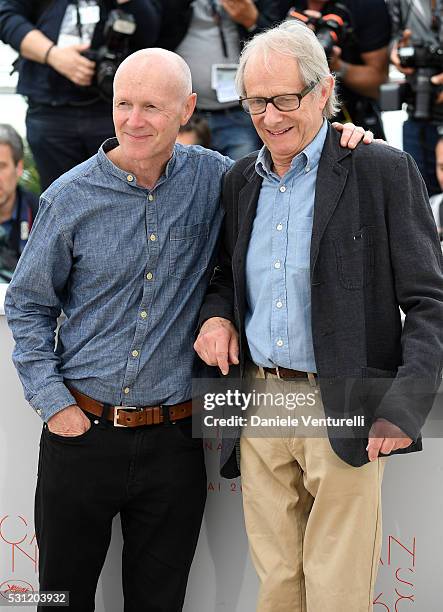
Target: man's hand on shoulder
(385, 437)
(71, 421)
(217, 343)
(352, 135)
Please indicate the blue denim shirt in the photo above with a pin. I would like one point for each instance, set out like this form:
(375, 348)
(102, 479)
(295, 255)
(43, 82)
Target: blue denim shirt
(129, 268)
(278, 318)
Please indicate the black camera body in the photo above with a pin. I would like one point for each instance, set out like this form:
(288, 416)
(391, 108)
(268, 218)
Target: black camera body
(117, 33)
(418, 92)
(331, 29)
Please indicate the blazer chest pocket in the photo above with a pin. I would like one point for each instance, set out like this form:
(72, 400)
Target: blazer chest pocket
(188, 250)
(354, 254)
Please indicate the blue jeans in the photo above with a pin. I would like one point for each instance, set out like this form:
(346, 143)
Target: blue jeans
(64, 136)
(232, 132)
(419, 140)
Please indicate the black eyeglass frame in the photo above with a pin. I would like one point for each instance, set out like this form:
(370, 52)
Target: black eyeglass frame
(299, 96)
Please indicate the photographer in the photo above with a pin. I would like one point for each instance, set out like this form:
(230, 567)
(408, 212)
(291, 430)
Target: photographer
(18, 207)
(417, 24)
(360, 58)
(211, 48)
(68, 117)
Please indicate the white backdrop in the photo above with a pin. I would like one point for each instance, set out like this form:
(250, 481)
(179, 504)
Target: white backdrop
(222, 578)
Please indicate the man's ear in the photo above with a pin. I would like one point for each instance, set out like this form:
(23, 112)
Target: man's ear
(19, 169)
(326, 89)
(189, 108)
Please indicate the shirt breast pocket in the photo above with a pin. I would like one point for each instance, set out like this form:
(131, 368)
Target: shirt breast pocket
(188, 250)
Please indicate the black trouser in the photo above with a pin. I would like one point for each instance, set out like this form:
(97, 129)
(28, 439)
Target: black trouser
(155, 477)
(61, 137)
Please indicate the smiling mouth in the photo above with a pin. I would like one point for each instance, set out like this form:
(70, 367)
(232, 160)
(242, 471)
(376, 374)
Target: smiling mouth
(138, 137)
(279, 133)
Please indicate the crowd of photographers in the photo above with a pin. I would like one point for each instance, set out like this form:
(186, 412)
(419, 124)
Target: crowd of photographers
(69, 51)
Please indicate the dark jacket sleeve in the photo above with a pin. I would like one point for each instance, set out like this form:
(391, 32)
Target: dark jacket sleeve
(176, 17)
(15, 21)
(416, 261)
(147, 15)
(219, 300)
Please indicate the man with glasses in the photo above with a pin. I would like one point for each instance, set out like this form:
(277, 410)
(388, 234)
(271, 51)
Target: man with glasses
(316, 257)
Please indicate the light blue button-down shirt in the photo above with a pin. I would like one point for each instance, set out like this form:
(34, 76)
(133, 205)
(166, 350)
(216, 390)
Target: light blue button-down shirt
(129, 267)
(278, 319)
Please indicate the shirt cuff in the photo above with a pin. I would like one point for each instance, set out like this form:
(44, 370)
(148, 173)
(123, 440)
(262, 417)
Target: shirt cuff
(51, 400)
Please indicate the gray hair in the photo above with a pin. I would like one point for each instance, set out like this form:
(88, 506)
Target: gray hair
(9, 136)
(293, 39)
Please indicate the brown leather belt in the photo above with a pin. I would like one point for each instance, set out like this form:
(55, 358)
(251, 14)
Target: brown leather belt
(287, 374)
(132, 416)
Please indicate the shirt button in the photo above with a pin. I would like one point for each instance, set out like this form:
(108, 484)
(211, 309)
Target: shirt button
(130, 178)
(38, 411)
(307, 169)
(277, 265)
(126, 390)
(134, 353)
(283, 188)
(279, 227)
(149, 275)
(150, 197)
(143, 314)
(279, 342)
(279, 304)
(153, 237)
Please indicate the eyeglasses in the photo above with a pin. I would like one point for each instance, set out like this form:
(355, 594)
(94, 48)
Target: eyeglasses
(283, 102)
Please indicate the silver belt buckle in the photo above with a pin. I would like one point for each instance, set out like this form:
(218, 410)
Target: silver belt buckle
(116, 409)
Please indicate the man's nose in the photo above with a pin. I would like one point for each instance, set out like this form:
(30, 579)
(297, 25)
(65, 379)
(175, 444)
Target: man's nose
(272, 114)
(135, 117)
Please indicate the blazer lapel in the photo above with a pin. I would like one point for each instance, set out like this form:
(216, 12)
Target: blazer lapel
(331, 180)
(247, 207)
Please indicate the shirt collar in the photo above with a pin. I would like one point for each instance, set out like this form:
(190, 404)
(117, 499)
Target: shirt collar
(110, 144)
(309, 157)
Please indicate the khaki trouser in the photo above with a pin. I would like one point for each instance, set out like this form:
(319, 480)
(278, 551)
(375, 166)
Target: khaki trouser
(313, 523)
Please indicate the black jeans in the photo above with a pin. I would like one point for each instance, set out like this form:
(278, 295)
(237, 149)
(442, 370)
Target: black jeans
(61, 137)
(154, 476)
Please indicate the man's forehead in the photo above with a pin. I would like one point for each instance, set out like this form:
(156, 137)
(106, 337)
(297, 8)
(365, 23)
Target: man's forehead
(6, 153)
(278, 75)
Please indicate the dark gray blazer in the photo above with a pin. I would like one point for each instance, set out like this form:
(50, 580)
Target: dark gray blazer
(374, 248)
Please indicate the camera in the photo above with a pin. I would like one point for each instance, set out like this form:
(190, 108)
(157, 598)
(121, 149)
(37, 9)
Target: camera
(331, 29)
(117, 33)
(418, 92)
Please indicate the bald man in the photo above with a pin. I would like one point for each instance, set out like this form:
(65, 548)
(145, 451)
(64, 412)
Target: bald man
(123, 245)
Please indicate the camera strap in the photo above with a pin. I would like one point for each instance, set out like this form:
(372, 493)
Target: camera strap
(217, 17)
